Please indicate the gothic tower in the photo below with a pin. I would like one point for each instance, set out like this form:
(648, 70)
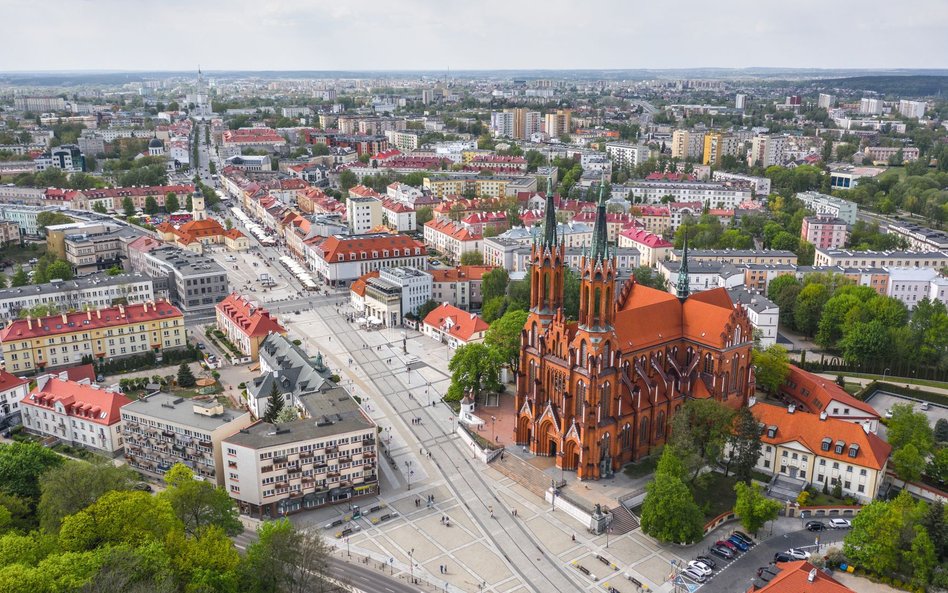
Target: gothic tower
(548, 257)
(684, 284)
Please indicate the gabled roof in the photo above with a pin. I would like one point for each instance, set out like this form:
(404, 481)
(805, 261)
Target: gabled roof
(358, 286)
(820, 392)
(456, 322)
(78, 399)
(10, 381)
(460, 273)
(810, 431)
(252, 320)
(21, 329)
(794, 577)
(643, 237)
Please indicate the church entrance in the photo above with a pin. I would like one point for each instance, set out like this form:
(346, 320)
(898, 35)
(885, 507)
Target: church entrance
(552, 452)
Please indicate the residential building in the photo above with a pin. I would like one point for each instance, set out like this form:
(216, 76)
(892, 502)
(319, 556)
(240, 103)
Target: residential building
(911, 285)
(759, 185)
(825, 101)
(161, 430)
(451, 239)
(687, 144)
(113, 198)
(799, 577)
(287, 368)
(825, 231)
(88, 292)
(245, 323)
(767, 151)
(764, 314)
(558, 123)
(196, 283)
(39, 104)
(75, 413)
(870, 106)
(329, 457)
(885, 154)
(917, 237)
(462, 183)
(738, 256)
(718, 145)
(398, 216)
(713, 195)
(627, 156)
(880, 259)
(701, 275)
(454, 327)
(651, 247)
(459, 287)
(24, 216)
(340, 259)
(821, 396)
(257, 138)
(821, 451)
(403, 139)
(65, 340)
(829, 205)
(627, 259)
(363, 211)
(914, 109)
(396, 292)
(13, 390)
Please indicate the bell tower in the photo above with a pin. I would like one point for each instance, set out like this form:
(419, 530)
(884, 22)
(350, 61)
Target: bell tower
(549, 259)
(597, 291)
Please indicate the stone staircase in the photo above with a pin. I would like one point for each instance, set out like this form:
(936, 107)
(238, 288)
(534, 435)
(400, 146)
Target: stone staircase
(623, 521)
(784, 488)
(523, 473)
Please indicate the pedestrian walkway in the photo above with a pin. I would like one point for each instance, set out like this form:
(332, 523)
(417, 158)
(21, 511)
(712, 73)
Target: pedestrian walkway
(523, 473)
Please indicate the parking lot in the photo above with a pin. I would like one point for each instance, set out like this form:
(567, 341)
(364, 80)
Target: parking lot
(884, 400)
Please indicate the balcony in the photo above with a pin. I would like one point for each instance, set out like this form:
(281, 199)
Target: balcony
(266, 469)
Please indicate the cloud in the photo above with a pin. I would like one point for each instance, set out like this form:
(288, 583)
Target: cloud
(456, 34)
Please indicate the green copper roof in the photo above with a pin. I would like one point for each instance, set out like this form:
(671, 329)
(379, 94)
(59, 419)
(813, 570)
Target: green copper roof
(600, 238)
(549, 224)
(683, 285)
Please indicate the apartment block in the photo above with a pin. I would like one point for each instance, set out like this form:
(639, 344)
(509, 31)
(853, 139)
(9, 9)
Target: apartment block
(88, 292)
(824, 231)
(829, 205)
(625, 155)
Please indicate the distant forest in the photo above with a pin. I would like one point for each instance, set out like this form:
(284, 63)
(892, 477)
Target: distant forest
(902, 86)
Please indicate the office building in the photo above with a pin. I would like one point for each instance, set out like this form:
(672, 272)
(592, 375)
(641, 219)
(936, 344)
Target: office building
(340, 259)
(739, 100)
(196, 283)
(88, 292)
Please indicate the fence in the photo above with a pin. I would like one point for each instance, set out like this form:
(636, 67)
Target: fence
(891, 368)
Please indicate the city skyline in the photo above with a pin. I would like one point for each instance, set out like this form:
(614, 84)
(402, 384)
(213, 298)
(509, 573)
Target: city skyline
(531, 34)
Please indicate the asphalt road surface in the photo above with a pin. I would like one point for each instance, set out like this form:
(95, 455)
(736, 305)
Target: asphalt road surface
(367, 579)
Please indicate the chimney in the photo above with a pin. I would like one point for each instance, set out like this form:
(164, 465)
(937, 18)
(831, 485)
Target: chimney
(121, 309)
(65, 318)
(98, 313)
(29, 322)
(89, 315)
(822, 415)
(812, 576)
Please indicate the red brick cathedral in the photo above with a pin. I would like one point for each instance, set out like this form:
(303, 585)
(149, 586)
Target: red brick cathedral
(600, 391)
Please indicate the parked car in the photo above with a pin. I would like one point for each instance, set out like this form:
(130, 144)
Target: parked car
(924, 406)
(798, 554)
(722, 552)
(694, 575)
(743, 539)
(738, 542)
(840, 523)
(815, 526)
(782, 557)
(747, 539)
(888, 413)
(707, 561)
(700, 567)
(727, 544)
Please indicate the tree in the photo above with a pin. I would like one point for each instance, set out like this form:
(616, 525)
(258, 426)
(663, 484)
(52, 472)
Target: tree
(809, 307)
(206, 562)
(571, 284)
(699, 432)
(428, 307)
(503, 336)
(908, 463)
(71, 487)
(647, 276)
(171, 202)
(472, 258)
(474, 367)
(669, 511)
(423, 215)
(771, 367)
(185, 376)
(284, 560)
(151, 205)
(753, 507)
(833, 319)
(494, 284)
(493, 309)
(99, 207)
(347, 180)
(275, 405)
(922, 557)
(941, 430)
(908, 427)
(58, 270)
(518, 294)
(873, 541)
(228, 224)
(21, 465)
(199, 504)
(864, 342)
(51, 218)
(745, 445)
(128, 207)
(935, 523)
(19, 277)
(287, 415)
(134, 518)
(115, 270)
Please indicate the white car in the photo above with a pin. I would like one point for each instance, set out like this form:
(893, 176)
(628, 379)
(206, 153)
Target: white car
(797, 554)
(888, 413)
(694, 575)
(840, 523)
(700, 567)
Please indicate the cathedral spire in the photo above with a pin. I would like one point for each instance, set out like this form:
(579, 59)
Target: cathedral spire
(684, 286)
(549, 224)
(600, 238)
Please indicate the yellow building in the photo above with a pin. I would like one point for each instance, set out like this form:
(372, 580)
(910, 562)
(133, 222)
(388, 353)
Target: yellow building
(712, 152)
(113, 332)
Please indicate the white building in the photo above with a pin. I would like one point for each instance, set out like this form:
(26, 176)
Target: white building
(76, 413)
(340, 259)
(832, 206)
(870, 106)
(363, 214)
(760, 185)
(93, 292)
(451, 238)
(713, 195)
(763, 314)
(910, 285)
(825, 101)
(395, 293)
(767, 151)
(915, 109)
(628, 155)
(398, 216)
(12, 391)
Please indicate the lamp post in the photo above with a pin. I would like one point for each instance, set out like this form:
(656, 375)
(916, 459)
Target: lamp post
(493, 423)
(608, 531)
(411, 564)
(408, 472)
(884, 373)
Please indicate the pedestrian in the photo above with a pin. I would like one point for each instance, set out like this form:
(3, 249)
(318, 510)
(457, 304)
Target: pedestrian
(574, 537)
(491, 509)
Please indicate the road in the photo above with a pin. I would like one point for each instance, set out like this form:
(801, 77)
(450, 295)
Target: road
(367, 579)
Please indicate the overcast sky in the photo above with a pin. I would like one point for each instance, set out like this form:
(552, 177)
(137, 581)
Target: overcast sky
(466, 34)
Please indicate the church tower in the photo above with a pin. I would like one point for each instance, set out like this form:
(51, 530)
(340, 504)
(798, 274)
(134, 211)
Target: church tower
(684, 284)
(597, 292)
(197, 206)
(549, 259)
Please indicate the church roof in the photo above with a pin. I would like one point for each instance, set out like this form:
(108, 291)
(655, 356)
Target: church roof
(650, 316)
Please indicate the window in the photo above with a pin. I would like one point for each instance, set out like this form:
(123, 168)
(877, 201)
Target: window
(862, 472)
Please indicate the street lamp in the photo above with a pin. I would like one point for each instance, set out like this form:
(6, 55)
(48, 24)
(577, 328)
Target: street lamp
(884, 373)
(493, 422)
(411, 564)
(408, 472)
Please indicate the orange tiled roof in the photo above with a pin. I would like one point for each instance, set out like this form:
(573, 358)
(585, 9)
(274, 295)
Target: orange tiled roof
(252, 320)
(460, 273)
(20, 329)
(455, 231)
(79, 400)
(810, 431)
(358, 286)
(357, 245)
(820, 392)
(794, 578)
(10, 381)
(463, 325)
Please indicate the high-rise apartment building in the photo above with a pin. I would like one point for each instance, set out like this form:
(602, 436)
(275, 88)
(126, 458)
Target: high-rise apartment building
(767, 150)
(825, 101)
(739, 100)
(687, 144)
(870, 106)
(914, 109)
(718, 145)
(558, 123)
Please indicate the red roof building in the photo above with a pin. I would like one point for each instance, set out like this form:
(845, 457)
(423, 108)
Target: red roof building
(245, 323)
(652, 248)
(12, 391)
(340, 259)
(800, 577)
(819, 395)
(454, 327)
(76, 413)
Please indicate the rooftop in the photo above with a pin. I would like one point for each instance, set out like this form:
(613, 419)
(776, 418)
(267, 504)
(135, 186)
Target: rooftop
(170, 408)
(101, 280)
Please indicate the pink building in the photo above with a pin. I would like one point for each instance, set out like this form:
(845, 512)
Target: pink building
(824, 232)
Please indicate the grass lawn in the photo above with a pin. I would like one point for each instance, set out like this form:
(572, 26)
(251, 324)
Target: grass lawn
(819, 499)
(641, 468)
(852, 388)
(896, 380)
(21, 255)
(714, 494)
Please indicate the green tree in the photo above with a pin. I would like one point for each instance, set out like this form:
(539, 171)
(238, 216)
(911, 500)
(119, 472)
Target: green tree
(171, 202)
(128, 207)
(58, 270)
(428, 307)
(472, 258)
(199, 504)
(19, 277)
(873, 541)
(347, 180)
(941, 430)
(745, 445)
(493, 309)
(284, 560)
(700, 431)
(115, 270)
(935, 523)
(783, 291)
(74, 485)
(51, 218)
(647, 276)
(908, 427)
(669, 511)
(753, 507)
(908, 463)
(809, 307)
(503, 336)
(922, 557)
(494, 284)
(423, 215)
(99, 207)
(474, 368)
(518, 294)
(134, 518)
(185, 376)
(771, 367)
(151, 205)
(275, 405)
(228, 224)
(865, 342)
(833, 319)
(21, 465)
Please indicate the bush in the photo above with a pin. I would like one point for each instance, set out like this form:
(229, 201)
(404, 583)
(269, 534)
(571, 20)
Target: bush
(297, 342)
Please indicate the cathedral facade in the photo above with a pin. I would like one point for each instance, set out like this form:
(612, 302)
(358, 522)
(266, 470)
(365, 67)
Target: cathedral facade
(600, 391)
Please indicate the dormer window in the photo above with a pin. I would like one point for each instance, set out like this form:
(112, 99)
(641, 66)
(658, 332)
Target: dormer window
(839, 447)
(853, 450)
(771, 431)
(827, 443)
